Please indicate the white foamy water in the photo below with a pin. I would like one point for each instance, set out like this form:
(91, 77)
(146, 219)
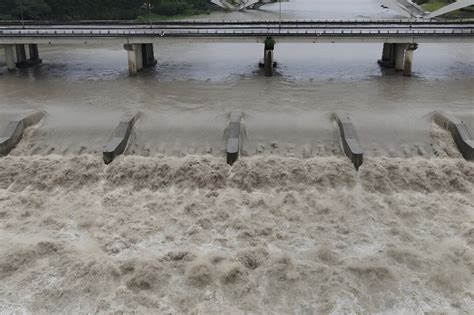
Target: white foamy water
(269, 235)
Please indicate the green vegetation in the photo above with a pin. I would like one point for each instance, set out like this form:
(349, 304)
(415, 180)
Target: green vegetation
(100, 9)
(269, 43)
(433, 5)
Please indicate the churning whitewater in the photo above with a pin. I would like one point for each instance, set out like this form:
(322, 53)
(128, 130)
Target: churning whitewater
(268, 235)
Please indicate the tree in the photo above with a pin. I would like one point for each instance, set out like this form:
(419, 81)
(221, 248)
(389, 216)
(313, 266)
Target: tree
(32, 9)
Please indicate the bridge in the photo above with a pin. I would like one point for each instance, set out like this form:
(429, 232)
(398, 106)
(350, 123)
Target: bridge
(400, 38)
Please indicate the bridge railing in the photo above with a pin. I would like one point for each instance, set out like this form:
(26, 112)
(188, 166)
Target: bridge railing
(125, 24)
(224, 32)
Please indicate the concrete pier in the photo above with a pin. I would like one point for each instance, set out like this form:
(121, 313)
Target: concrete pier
(16, 56)
(233, 137)
(34, 55)
(400, 56)
(268, 63)
(461, 135)
(409, 59)
(10, 57)
(148, 55)
(13, 133)
(349, 138)
(21, 60)
(135, 58)
(139, 56)
(121, 135)
(387, 56)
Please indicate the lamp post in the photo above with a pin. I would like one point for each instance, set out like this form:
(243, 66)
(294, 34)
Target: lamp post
(21, 12)
(279, 24)
(149, 6)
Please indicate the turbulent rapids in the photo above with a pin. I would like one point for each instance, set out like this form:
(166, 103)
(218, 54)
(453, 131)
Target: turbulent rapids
(270, 234)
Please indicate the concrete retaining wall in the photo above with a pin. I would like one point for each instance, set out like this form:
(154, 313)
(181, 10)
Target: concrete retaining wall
(13, 133)
(349, 138)
(461, 135)
(121, 135)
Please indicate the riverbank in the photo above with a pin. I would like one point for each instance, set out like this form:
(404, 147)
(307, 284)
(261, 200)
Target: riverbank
(465, 13)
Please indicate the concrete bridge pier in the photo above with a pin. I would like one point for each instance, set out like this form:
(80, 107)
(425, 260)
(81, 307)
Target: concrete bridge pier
(268, 62)
(388, 55)
(10, 57)
(21, 57)
(409, 59)
(148, 55)
(398, 56)
(135, 58)
(139, 56)
(21, 60)
(34, 55)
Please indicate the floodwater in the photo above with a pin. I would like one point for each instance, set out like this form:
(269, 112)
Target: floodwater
(291, 228)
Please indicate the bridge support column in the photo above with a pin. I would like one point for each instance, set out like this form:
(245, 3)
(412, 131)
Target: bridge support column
(10, 57)
(21, 61)
(148, 55)
(268, 63)
(388, 56)
(409, 59)
(135, 58)
(34, 55)
(400, 56)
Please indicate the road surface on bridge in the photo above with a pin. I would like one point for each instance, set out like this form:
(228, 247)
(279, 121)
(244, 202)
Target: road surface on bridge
(288, 31)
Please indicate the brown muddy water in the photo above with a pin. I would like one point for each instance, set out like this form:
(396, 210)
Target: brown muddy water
(291, 228)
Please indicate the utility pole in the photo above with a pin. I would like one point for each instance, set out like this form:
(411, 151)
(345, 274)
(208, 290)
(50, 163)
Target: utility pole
(279, 24)
(148, 6)
(21, 12)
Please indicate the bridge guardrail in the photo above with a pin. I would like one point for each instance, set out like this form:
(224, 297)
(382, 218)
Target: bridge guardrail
(198, 33)
(223, 22)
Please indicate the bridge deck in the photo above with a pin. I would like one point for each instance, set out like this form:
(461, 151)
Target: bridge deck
(294, 31)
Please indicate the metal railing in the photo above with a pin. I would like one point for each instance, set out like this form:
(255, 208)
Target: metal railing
(233, 33)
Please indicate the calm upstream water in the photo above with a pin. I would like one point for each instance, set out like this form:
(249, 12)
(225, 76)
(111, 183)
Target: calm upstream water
(291, 228)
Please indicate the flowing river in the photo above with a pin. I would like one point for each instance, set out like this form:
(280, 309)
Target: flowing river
(291, 228)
